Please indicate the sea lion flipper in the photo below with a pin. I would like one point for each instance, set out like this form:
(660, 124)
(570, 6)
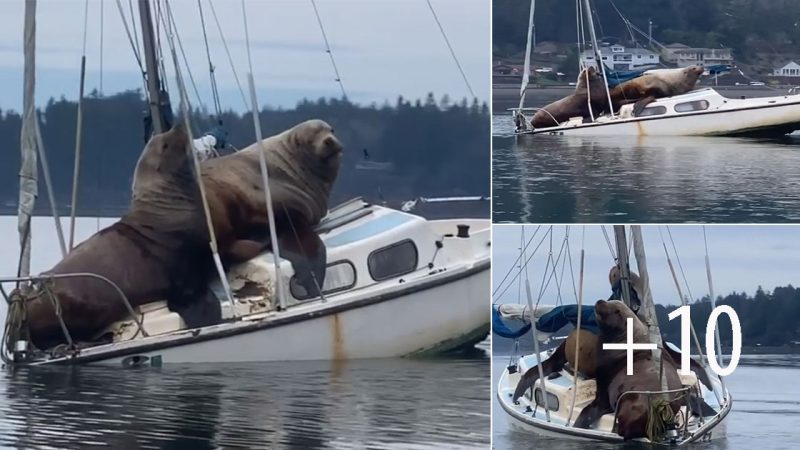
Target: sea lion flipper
(592, 412)
(243, 250)
(201, 311)
(308, 255)
(638, 107)
(552, 364)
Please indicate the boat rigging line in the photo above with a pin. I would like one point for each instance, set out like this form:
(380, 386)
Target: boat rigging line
(262, 160)
(212, 78)
(76, 167)
(577, 325)
(197, 169)
(327, 50)
(719, 355)
(228, 52)
(134, 46)
(450, 47)
(494, 294)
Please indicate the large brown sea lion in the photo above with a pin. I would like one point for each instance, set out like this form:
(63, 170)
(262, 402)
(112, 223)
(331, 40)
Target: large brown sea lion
(611, 316)
(157, 250)
(633, 411)
(653, 85)
(303, 164)
(590, 86)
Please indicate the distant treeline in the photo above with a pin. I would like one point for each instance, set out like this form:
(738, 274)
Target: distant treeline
(748, 27)
(393, 152)
(768, 319)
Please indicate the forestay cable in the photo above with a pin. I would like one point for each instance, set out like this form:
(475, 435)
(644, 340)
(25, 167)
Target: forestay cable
(450, 47)
(76, 170)
(327, 49)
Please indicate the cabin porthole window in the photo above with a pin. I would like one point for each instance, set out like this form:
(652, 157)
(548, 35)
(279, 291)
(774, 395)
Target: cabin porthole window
(653, 111)
(339, 276)
(394, 260)
(552, 400)
(697, 105)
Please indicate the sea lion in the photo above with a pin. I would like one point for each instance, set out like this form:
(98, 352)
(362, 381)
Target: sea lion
(303, 163)
(590, 87)
(633, 411)
(565, 353)
(157, 250)
(655, 84)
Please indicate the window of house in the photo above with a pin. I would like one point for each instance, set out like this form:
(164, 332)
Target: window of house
(653, 111)
(697, 105)
(392, 261)
(339, 276)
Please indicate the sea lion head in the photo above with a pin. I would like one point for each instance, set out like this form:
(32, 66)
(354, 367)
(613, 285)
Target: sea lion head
(166, 159)
(692, 73)
(587, 77)
(612, 318)
(318, 147)
(632, 415)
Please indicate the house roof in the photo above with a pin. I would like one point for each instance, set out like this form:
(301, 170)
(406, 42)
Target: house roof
(787, 64)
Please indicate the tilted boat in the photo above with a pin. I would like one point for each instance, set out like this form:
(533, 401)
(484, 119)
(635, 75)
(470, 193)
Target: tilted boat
(702, 112)
(551, 407)
(396, 284)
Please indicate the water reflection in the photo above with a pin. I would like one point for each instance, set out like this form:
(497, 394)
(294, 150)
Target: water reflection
(561, 179)
(421, 403)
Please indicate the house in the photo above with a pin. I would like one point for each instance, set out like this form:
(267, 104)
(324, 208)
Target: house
(618, 57)
(684, 56)
(790, 69)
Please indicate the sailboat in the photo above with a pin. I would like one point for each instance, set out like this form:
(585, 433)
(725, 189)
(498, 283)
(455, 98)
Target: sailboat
(701, 112)
(551, 407)
(396, 284)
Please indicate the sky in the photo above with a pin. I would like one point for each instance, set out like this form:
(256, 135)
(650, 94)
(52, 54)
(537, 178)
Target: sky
(742, 258)
(383, 49)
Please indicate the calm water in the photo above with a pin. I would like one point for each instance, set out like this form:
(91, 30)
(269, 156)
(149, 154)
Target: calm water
(392, 403)
(375, 404)
(562, 179)
(765, 414)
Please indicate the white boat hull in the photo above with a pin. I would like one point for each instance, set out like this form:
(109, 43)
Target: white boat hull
(444, 315)
(523, 419)
(724, 117)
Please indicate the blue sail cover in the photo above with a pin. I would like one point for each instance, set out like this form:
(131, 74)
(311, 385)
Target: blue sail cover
(501, 329)
(617, 77)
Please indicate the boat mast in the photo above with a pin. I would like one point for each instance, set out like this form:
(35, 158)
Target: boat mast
(28, 164)
(597, 56)
(527, 67)
(648, 309)
(151, 66)
(622, 263)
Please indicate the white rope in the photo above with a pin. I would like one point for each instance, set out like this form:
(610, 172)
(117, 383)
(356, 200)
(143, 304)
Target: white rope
(264, 171)
(49, 185)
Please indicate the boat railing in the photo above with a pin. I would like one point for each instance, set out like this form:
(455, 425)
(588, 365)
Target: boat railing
(45, 281)
(673, 395)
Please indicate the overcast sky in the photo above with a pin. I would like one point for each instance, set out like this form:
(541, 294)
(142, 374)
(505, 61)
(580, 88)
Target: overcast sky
(383, 48)
(742, 258)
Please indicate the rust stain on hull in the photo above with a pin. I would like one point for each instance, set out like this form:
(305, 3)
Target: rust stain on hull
(339, 353)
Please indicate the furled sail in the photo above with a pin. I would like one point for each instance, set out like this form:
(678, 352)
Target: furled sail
(28, 167)
(526, 74)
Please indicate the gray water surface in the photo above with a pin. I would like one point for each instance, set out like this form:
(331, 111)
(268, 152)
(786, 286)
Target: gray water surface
(765, 413)
(567, 179)
(394, 403)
